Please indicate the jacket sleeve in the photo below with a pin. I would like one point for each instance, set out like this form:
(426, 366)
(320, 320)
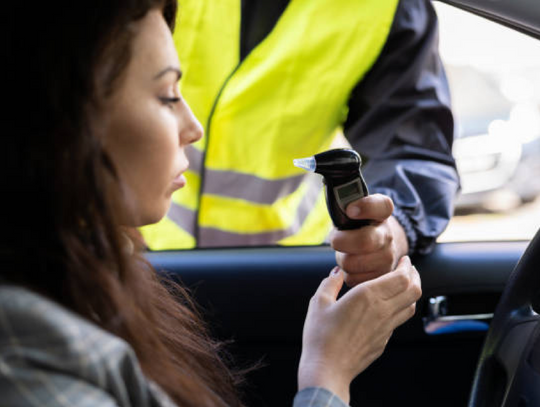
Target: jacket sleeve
(400, 121)
(317, 397)
(51, 357)
(26, 386)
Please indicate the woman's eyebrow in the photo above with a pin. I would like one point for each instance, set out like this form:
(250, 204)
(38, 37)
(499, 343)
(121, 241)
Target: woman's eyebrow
(169, 69)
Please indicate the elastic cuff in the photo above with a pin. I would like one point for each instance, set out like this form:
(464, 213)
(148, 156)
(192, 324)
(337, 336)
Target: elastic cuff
(407, 226)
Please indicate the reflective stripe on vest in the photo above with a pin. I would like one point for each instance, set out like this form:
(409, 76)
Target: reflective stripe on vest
(287, 99)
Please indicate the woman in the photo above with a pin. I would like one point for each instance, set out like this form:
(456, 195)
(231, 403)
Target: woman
(84, 319)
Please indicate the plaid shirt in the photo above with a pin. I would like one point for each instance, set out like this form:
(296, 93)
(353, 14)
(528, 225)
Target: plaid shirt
(50, 357)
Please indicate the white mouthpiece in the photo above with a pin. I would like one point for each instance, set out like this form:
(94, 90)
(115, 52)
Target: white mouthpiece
(307, 164)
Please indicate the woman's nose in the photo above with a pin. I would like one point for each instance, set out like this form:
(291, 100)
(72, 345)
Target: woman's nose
(192, 131)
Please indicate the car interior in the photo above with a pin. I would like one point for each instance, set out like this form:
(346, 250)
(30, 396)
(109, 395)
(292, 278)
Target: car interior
(475, 338)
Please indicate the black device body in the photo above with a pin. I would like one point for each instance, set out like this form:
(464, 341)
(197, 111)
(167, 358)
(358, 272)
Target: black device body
(344, 184)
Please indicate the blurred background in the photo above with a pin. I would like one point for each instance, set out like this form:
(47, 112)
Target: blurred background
(494, 78)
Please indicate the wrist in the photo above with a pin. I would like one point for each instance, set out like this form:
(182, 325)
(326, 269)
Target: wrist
(319, 375)
(404, 233)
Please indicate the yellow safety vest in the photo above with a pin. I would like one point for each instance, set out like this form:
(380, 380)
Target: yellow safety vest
(287, 99)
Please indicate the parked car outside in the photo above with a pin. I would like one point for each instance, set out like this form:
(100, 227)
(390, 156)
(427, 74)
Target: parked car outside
(494, 76)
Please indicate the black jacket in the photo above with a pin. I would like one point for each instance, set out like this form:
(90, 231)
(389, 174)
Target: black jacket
(399, 118)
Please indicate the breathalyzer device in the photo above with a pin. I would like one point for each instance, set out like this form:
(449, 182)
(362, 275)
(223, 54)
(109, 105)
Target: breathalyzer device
(344, 182)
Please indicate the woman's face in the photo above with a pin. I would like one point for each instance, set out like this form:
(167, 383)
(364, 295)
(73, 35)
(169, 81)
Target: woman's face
(148, 125)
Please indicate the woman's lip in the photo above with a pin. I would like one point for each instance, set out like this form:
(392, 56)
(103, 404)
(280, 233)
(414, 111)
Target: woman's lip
(179, 181)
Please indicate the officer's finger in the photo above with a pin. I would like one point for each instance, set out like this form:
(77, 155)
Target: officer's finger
(380, 262)
(354, 279)
(376, 207)
(368, 239)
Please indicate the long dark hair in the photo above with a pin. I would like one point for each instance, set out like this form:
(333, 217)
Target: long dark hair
(66, 244)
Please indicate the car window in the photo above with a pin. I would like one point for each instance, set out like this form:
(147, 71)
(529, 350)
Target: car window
(494, 76)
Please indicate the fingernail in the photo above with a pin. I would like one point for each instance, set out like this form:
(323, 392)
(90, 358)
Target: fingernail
(353, 211)
(335, 271)
(407, 259)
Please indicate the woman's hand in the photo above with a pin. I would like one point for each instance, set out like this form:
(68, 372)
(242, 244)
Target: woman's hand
(343, 337)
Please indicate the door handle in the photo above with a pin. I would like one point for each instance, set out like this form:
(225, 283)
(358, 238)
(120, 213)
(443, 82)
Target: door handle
(439, 322)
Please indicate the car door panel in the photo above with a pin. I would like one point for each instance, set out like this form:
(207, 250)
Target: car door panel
(258, 297)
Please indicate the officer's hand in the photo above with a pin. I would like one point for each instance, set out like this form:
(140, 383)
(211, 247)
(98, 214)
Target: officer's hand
(373, 250)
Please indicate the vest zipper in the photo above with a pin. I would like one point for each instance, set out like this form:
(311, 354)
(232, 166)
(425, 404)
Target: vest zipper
(196, 227)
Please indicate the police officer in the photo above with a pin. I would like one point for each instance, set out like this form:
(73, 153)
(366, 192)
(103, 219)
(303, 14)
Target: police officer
(274, 80)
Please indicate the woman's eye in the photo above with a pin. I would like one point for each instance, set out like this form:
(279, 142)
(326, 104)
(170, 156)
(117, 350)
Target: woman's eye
(169, 101)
